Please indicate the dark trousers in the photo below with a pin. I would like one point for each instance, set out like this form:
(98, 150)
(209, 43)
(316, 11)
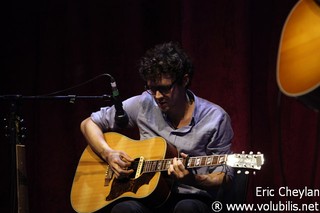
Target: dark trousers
(175, 204)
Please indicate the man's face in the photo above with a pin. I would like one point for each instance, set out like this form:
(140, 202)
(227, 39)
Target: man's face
(166, 92)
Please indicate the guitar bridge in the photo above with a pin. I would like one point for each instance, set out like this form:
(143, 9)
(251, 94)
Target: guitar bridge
(108, 176)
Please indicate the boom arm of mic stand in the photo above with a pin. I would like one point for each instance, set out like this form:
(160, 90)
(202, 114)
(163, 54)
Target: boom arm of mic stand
(71, 98)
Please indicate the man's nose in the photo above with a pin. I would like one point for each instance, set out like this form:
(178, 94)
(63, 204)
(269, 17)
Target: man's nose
(158, 94)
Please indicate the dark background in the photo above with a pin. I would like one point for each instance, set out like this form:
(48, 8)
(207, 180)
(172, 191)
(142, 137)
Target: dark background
(51, 45)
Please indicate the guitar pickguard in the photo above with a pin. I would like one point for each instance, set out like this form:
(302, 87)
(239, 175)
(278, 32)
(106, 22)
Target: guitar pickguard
(120, 187)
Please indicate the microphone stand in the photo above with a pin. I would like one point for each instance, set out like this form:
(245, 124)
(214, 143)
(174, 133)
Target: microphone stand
(15, 134)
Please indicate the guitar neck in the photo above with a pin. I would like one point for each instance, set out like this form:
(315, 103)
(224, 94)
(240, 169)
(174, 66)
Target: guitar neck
(22, 187)
(191, 162)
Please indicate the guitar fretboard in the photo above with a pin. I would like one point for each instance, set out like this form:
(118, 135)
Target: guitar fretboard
(192, 162)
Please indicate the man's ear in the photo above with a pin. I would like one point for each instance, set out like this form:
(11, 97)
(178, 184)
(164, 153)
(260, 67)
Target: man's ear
(185, 80)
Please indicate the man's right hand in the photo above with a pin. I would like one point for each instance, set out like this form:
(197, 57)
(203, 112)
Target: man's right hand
(119, 162)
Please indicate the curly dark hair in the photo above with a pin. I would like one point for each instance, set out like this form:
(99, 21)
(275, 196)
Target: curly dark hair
(167, 58)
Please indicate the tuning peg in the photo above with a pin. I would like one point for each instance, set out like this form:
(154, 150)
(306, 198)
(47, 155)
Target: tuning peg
(239, 172)
(23, 130)
(251, 152)
(254, 172)
(259, 153)
(6, 131)
(243, 152)
(246, 172)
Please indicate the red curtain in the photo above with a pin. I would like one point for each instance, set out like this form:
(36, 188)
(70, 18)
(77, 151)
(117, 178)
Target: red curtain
(49, 46)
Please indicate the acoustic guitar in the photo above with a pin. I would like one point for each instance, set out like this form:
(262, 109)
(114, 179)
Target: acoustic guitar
(95, 187)
(298, 65)
(16, 133)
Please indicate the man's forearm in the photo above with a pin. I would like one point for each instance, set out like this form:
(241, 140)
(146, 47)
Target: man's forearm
(209, 180)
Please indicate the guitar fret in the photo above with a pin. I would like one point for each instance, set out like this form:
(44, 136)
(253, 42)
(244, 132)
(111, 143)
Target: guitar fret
(204, 161)
(197, 161)
(168, 163)
(154, 165)
(209, 160)
(149, 166)
(214, 160)
(221, 159)
(145, 166)
(164, 165)
(159, 165)
(191, 163)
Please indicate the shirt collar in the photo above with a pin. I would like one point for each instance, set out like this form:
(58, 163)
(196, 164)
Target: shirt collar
(188, 128)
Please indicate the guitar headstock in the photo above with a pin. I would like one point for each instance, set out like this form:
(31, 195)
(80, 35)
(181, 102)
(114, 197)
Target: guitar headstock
(14, 127)
(248, 161)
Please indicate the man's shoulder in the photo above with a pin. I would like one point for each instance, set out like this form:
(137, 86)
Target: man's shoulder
(205, 104)
(207, 108)
(143, 100)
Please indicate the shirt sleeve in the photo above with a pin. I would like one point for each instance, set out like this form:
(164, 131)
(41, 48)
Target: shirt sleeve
(105, 117)
(221, 142)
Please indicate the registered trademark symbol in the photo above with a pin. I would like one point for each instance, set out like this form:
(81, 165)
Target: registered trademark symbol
(216, 206)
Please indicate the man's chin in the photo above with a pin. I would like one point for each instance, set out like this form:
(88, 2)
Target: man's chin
(163, 107)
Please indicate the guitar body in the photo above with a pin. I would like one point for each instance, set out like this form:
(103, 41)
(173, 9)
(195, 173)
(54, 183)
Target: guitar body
(298, 68)
(92, 191)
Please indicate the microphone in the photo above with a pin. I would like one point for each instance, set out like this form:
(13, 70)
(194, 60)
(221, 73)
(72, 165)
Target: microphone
(121, 117)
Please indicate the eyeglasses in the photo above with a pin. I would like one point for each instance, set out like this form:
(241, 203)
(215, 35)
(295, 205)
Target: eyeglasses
(152, 90)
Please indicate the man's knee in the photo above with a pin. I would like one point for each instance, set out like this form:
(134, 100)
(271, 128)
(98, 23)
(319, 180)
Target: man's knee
(190, 205)
(129, 206)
